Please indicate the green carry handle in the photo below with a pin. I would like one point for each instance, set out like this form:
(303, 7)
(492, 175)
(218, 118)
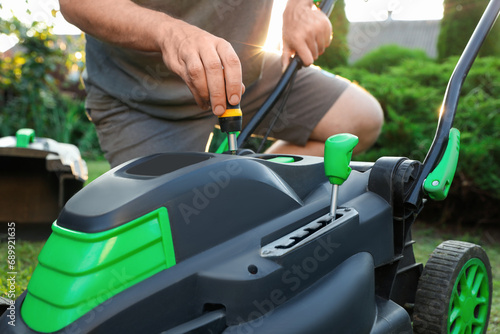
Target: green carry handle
(438, 182)
(24, 137)
(338, 153)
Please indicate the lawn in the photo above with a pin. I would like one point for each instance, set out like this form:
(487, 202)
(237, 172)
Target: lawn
(426, 235)
(96, 168)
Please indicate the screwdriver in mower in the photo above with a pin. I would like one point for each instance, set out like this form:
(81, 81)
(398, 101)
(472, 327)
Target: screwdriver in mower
(230, 122)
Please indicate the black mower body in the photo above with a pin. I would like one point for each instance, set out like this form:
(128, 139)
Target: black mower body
(255, 248)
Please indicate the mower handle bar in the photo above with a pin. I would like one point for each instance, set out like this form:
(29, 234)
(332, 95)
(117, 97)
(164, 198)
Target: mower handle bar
(295, 64)
(450, 101)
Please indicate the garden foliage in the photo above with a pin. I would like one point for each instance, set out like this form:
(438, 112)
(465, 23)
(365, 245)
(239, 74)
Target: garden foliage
(411, 89)
(35, 92)
(459, 20)
(386, 56)
(338, 52)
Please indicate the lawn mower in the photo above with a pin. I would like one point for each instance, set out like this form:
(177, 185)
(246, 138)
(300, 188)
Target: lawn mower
(258, 243)
(38, 175)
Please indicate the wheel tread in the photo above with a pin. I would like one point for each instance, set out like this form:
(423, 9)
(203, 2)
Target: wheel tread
(436, 284)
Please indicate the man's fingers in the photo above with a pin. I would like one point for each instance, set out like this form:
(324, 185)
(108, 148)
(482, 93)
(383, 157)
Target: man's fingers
(285, 57)
(325, 38)
(195, 78)
(321, 45)
(208, 65)
(308, 53)
(306, 31)
(232, 73)
(215, 80)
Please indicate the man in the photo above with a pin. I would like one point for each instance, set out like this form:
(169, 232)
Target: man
(157, 71)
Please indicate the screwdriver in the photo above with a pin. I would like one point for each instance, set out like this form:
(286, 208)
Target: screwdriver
(230, 122)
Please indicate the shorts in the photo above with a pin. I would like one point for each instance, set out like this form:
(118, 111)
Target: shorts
(125, 133)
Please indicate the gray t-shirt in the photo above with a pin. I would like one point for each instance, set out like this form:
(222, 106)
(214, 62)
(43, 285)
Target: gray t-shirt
(116, 75)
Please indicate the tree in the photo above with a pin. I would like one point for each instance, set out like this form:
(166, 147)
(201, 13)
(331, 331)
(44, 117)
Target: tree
(337, 54)
(35, 91)
(460, 19)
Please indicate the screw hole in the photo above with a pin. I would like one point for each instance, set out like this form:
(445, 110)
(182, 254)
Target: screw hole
(252, 269)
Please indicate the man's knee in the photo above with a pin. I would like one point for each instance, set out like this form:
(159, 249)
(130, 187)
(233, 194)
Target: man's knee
(356, 111)
(368, 118)
(365, 108)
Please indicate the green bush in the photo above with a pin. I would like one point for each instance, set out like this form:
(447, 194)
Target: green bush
(58, 117)
(411, 93)
(32, 88)
(379, 60)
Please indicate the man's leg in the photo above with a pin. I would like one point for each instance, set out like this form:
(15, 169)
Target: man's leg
(126, 133)
(355, 111)
(320, 105)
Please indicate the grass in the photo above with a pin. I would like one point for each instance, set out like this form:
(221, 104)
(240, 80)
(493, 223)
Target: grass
(26, 261)
(427, 237)
(96, 169)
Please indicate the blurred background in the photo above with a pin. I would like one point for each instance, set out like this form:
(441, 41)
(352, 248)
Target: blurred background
(402, 51)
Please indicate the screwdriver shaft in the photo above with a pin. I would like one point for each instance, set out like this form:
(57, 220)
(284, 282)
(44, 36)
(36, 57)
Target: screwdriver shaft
(333, 206)
(232, 143)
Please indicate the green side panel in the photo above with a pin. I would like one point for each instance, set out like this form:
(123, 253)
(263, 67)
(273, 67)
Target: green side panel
(24, 137)
(438, 182)
(224, 146)
(78, 271)
(283, 160)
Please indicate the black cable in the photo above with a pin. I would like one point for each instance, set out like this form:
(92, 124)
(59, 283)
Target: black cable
(280, 109)
(295, 64)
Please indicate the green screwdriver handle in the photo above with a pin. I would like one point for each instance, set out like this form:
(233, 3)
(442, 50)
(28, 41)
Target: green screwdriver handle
(338, 153)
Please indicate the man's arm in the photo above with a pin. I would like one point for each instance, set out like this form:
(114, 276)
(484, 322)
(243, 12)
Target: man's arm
(307, 31)
(208, 64)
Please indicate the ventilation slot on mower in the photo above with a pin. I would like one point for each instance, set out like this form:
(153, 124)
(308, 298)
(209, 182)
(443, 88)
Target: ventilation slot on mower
(306, 233)
(303, 233)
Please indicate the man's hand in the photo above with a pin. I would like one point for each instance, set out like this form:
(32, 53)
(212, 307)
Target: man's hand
(208, 64)
(307, 32)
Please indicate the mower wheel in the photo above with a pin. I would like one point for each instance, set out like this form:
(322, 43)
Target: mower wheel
(454, 291)
(4, 304)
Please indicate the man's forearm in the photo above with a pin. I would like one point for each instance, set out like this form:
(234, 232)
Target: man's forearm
(120, 22)
(208, 64)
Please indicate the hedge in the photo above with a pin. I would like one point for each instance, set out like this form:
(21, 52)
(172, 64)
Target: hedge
(411, 91)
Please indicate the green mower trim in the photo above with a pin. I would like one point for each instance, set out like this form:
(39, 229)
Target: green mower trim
(113, 261)
(282, 159)
(438, 183)
(468, 311)
(24, 137)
